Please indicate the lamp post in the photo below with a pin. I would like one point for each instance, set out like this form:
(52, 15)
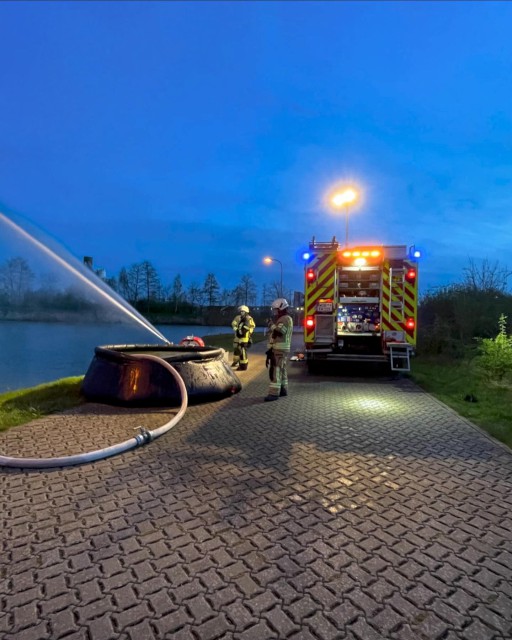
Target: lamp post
(343, 199)
(268, 260)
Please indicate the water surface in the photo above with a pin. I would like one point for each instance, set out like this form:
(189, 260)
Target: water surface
(35, 352)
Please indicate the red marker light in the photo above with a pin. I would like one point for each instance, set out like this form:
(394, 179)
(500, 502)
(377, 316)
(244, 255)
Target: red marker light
(410, 324)
(410, 276)
(310, 322)
(310, 275)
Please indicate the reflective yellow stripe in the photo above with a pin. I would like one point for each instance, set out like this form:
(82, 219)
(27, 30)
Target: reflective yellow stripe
(386, 320)
(394, 319)
(324, 267)
(411, 302)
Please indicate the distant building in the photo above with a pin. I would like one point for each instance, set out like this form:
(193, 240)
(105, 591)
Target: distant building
(298, 299)
(101, 273)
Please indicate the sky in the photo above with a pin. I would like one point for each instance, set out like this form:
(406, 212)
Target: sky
(203, 136)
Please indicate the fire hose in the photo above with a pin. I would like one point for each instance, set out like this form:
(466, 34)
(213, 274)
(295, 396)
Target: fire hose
(143, 437)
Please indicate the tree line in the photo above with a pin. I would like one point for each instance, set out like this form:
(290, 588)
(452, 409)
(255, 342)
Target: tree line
(453, 318)
(139, 284)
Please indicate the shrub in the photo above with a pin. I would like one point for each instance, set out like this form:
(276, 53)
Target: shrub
(496, 353)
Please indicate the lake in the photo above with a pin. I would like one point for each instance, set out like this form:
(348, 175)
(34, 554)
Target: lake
(35, 352)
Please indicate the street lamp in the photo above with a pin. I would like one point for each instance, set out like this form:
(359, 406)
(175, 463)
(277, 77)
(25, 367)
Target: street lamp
(343, 199)
(269, 260)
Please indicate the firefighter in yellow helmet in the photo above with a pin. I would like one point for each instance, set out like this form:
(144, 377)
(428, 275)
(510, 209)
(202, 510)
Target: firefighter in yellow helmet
(243, 325)
(280, 339)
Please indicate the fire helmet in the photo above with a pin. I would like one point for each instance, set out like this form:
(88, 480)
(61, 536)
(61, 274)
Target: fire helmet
(243, 308)
(280, 304)
(191, 341)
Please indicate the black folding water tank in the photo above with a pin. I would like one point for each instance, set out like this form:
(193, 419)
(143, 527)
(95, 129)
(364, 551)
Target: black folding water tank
(115, 376)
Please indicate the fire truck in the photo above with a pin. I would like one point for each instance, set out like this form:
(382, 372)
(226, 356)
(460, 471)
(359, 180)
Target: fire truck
(360, 304)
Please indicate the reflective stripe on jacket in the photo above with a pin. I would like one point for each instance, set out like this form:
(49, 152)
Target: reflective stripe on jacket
(282, 338)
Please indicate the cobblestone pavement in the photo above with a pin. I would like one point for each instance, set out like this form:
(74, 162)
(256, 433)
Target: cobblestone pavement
(356, 508)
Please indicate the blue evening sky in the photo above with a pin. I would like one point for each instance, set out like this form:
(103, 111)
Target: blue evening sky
(203, 136)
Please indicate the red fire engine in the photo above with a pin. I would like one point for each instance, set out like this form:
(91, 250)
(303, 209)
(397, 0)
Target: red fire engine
(360, 304)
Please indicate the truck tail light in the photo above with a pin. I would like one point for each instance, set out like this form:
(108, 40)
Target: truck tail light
(410, 275)
(310, 275)
(310, 322)
(410, 324)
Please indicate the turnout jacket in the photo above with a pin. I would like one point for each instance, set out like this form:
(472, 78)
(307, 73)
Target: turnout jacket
(280, 333)
(243, 328)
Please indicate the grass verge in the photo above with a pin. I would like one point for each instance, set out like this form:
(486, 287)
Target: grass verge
(460, 385)
(23, 405)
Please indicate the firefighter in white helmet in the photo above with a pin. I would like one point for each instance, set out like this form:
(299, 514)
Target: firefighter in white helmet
(243, 325)
(280, 338)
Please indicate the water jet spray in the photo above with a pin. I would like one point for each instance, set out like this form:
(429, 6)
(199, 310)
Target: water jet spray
(98, 288)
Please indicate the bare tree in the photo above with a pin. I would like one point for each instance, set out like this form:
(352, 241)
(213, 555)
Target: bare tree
(140, 282)
(151, 286)
(226, 298)
(211, 290)
(245, 292)
(133, 283)
(177, 292)
(124, 284)
(267, 295)
(112, 283)
(275, 290)
(487, 276)
(195, 294)
(15, 279)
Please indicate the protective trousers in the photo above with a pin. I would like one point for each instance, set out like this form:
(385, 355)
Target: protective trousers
(277, 373)
(240, 353)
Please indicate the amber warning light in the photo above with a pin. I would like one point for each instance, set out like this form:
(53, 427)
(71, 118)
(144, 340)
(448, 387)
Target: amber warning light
(361, 253)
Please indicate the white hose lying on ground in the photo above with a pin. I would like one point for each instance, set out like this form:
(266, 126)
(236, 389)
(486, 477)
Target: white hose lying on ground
(141, 438)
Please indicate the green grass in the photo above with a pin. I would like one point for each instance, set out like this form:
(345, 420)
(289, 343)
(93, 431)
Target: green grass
(19, 407)
(451, 381)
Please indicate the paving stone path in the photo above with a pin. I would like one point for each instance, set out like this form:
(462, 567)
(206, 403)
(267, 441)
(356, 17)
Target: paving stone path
(354, 508)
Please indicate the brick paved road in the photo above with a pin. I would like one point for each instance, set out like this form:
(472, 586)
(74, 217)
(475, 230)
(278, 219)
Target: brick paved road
(354, 508)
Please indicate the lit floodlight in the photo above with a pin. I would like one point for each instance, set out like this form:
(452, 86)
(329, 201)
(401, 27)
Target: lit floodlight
(344, 197)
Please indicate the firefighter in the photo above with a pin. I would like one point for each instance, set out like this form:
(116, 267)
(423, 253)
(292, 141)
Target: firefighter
(243, 325)
(280, 338)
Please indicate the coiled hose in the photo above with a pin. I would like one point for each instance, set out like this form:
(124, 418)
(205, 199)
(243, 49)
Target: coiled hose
(144, 437)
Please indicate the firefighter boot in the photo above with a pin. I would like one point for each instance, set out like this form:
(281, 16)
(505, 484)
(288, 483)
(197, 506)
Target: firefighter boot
(270, 398)
(283, 392)
(243, 367)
